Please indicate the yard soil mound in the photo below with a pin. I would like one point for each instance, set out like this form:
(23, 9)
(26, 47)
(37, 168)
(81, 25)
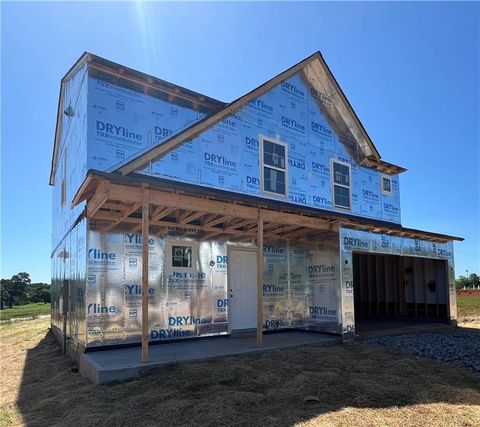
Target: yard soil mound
(345, 385)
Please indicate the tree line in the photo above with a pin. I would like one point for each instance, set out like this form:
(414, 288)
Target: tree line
(470, 282)
(19, 290)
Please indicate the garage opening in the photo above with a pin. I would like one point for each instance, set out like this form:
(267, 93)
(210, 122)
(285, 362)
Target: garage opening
(395, 288)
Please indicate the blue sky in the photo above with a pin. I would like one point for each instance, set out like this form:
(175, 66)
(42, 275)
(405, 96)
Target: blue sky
(410, 70)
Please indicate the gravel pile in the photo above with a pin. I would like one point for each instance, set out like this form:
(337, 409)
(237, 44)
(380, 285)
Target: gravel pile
(459, 346)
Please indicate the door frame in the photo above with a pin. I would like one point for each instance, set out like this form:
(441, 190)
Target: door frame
(236, 247)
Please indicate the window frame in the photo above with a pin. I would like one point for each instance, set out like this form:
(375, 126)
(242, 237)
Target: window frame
(333, 184)
(262, 138)
(170, 243)
(181, 245)
(382, 177)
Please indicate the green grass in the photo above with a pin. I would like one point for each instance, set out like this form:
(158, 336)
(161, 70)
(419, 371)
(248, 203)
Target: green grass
(468, 306)
(27, 310)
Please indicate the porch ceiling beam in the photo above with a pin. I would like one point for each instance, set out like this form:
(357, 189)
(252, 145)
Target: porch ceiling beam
(164, 199)
(180, 201)
(117, 206)
(268, 227)
(213, 234)
(285, 229)
(215, 221)
(297, 233)
(107, 216)
(293, 219)
(158, 231)
(229, 222)
(189, 217)
(239, 224)
(207, 217)
(160, 213)
(126, 213)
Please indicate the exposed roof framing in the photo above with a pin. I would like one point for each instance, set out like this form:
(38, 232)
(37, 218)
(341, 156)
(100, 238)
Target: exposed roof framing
(317, 65)
(173, 92)
(114, 201)
(113, 204)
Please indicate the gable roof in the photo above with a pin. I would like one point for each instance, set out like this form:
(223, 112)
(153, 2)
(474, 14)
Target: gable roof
(125, 76)
(314, 65)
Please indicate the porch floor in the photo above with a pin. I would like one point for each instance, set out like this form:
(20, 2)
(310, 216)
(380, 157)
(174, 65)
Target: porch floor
(122, 364)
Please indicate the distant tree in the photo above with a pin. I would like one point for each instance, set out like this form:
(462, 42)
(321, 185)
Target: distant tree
(4, 292)
(461, 282)
(17, 288)
(474, 280)
(38, 292)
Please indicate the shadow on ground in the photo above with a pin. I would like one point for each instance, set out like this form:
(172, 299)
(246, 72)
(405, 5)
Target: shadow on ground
(349, 381)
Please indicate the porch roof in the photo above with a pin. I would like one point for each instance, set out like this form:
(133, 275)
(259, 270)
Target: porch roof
(116, 201)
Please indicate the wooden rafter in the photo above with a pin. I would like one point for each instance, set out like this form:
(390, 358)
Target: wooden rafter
(189, 217)
(215, 221)
(106, 216)
(126, 213)
(160, 213)
(239, 224)
(98, 199)
(282, 230)
(299, 232)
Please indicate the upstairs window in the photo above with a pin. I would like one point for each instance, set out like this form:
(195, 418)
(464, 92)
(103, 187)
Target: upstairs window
(274, 167)
(341, 185)
(386, 185)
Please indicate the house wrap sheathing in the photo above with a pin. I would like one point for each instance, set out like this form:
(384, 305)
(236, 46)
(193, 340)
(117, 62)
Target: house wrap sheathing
(163, 196)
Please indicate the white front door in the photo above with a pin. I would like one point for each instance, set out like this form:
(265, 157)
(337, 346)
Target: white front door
(242, 288)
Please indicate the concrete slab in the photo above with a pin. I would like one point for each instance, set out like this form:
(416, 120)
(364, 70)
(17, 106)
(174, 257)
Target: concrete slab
(380, 326)
(122, 364)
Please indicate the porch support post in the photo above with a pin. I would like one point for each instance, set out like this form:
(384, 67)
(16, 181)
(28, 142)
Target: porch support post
(145, 234)
(260, 279)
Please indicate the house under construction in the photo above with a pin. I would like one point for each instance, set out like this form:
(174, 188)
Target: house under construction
(178, 216)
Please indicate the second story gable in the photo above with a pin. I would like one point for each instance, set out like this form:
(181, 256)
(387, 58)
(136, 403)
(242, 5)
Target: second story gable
(292, 144)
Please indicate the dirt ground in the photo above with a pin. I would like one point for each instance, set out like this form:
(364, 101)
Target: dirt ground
(348, 385)
(470, 323)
